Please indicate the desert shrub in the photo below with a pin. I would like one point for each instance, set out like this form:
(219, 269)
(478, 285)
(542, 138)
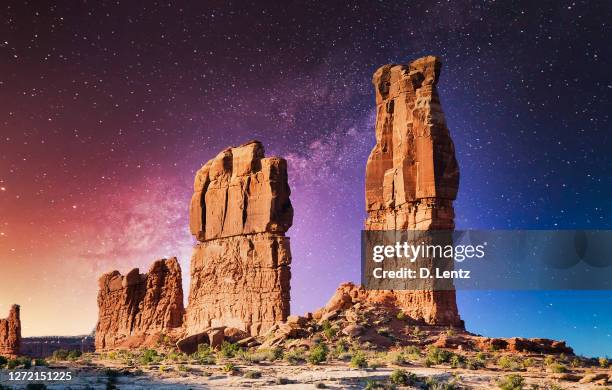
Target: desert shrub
(318, 354)
(149, 356)
(417, 332)
(554, 386)
(229, 350)
(450, 331)
(437, 355)
(384, 331)
(229, 368)
(60, 354)
(401, 377)
(328, 330)
(603, 362)
(182, 368)
(401, 316)
(511, 382)
(358, 360)
(3, 360)
(340, 347)
(434, 384)
(529, 362)
(40, 362)
(74, 354)
(548, 360)
(428, 362)
(508, 363)
(396, 357)
(475, 364)
(252, 374)
(557, 368)
(457, 361)
(204, 355)
(576, 363)
(295, 356)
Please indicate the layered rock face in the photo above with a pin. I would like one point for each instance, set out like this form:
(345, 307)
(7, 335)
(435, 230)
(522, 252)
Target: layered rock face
(135, 309)
(10, 333)
(412, 175)
(240, 269)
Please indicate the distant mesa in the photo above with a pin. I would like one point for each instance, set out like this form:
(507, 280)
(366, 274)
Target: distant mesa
(137, 309)
(10, 333)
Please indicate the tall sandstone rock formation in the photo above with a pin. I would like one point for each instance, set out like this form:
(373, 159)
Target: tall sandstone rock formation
(240, 269)
(10, 333)
(135, 309)
(412, 175)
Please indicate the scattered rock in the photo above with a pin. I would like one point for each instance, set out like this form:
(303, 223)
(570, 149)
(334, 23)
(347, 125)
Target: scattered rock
(590, 378)
(353, 330)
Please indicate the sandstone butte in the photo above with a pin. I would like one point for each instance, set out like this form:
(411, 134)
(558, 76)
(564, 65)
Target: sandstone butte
(412, 176)
(240, 268)
(10, 333)
(137, 309)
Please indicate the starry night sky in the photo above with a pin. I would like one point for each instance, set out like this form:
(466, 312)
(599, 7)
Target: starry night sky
(108, 108)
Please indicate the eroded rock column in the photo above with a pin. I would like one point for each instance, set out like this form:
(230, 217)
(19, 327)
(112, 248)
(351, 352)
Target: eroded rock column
(10, 333)
(136, 309)
(412, 175)
(240, 269)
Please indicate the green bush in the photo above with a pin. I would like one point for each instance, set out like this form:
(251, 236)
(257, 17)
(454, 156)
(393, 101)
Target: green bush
(397, 357)
(457, 361)
(60, 354)
(401, 377)
(401, 316)
(74, 354)
(329, 331)
(509, 363)
(557, 368)
(295, 356)
(3, 360)
(437, 355)
(511, 382)
(318, 354)
(149, 356)
(229, 368)
(529, 362)
(359, 360)
(433, 384)
(229, 350)
(204, 355)
(603, 362)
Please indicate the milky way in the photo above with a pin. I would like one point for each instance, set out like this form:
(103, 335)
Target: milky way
(108, 108)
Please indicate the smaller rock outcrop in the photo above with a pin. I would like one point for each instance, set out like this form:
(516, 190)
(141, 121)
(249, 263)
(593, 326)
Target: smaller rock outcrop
(240, 267)
(10, 333)
(136, 309)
